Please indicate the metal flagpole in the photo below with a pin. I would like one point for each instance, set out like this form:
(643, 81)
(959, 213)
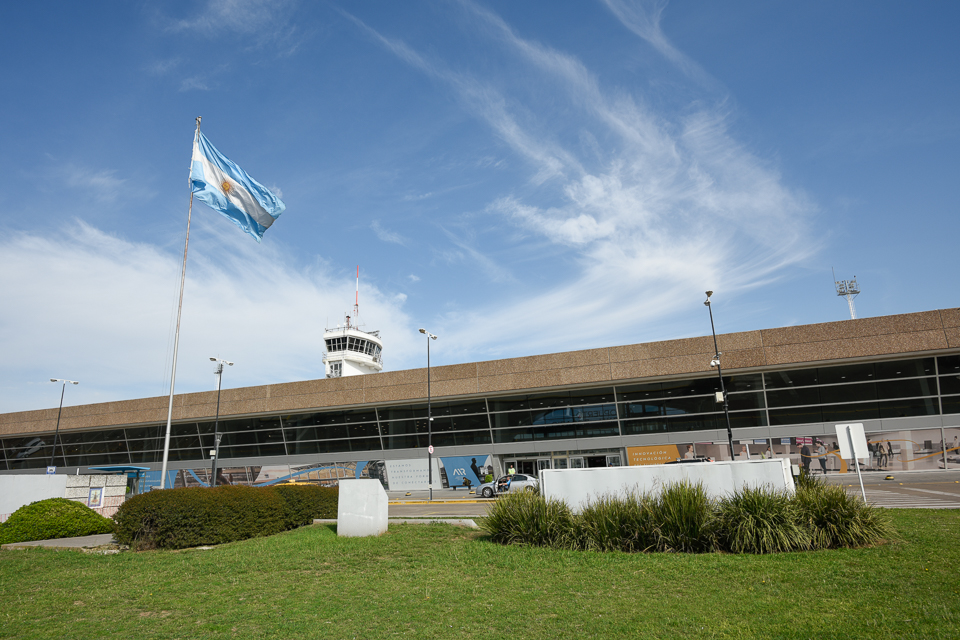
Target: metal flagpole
(176, 339)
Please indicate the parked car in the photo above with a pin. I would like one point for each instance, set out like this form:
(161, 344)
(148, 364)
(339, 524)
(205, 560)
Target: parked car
(508, 484)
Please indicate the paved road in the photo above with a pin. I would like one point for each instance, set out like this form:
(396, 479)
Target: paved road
(914, 490)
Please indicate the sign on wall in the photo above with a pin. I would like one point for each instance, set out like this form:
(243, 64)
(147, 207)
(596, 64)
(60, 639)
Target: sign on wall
(652, 454)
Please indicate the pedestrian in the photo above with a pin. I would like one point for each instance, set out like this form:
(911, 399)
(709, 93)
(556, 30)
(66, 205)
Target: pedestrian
(805, 457)
(822, 454)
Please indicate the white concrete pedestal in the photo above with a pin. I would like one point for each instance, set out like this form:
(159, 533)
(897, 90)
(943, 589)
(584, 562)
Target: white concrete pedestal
(362, 509)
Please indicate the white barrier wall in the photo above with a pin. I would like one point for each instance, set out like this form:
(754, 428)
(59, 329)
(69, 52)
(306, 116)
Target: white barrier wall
(579, 487)
(361, 509)
(17, 491)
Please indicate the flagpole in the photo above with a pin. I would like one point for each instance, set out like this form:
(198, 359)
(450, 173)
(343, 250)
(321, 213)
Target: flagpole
(176, 339)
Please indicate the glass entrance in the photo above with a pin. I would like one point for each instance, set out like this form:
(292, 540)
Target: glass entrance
(542, 463)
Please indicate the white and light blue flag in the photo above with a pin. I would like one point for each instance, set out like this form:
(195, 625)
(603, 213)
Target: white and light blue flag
(227, 188)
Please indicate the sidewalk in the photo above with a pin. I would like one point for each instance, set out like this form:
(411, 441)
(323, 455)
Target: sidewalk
(83, 542)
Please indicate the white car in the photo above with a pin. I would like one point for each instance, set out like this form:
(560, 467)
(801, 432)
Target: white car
(508, 484)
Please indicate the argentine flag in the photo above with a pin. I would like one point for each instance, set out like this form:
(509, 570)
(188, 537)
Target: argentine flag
(227, 188)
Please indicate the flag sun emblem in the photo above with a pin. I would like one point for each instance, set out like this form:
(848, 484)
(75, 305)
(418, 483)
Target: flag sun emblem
(226, 186)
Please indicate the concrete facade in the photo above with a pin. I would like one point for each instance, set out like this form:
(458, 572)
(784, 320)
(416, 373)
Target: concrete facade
(928, 332)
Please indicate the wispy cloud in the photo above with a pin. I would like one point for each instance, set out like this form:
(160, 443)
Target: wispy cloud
(99, 309)
(195, 83)
(643, 18)
(102, 185)
(668, 205)
(262, 22)
(387, 236)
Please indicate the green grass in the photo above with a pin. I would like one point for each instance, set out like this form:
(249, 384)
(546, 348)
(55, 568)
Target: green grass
(438, 581)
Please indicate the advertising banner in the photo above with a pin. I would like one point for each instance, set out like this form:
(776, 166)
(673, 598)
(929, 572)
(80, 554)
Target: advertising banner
(653, 454)
(460, 467)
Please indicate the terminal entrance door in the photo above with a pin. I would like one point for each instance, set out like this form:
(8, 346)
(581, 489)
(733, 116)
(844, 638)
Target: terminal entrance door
(528, 467)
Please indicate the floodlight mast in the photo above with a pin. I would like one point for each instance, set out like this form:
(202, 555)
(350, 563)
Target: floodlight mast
(848, 289)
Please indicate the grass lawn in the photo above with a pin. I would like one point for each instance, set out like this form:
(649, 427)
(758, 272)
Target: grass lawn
(438, 581)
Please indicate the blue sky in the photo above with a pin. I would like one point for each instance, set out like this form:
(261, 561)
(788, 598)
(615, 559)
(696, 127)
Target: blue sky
(517, 177)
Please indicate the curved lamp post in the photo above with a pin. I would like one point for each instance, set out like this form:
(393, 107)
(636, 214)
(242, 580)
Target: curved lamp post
(716, 363)
(216, 424)
(430, 337)
(57, 432)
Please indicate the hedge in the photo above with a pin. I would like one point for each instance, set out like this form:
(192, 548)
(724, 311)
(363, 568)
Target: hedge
(194, 516)
(53, 518)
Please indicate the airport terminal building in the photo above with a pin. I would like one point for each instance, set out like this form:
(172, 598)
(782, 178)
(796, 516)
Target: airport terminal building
(636, 404)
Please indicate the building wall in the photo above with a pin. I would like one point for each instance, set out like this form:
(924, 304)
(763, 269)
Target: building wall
(915, 333)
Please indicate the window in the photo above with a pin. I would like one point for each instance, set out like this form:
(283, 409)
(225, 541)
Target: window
(336, 369)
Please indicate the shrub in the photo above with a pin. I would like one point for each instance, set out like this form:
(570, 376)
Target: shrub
(193, 516)
(53, 518)
(833, 518)
(304, 502)
(686, 518)
(527, 518)
(625, 523)
(756, 520)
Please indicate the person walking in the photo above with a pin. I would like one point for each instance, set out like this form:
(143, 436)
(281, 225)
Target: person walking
(805, 457)
(822, 455)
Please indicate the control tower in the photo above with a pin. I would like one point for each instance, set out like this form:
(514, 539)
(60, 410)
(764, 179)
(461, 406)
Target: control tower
(350, 350)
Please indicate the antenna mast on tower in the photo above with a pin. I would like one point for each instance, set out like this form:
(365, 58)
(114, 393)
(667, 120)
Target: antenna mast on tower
(848, 289)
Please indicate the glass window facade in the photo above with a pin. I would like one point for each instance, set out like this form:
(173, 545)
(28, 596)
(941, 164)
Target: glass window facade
(843, 393)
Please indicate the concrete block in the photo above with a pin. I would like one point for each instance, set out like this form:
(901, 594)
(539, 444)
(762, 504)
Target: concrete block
(18, 490)
(77, 493)
(77, 481)
(580, 487)
(362, 509)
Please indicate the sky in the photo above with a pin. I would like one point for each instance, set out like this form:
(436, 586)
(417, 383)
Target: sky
(518, 178)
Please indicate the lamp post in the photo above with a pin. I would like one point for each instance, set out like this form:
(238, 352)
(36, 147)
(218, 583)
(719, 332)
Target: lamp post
(216, 424)
(430, 337)
(716, 362)
(57, 432)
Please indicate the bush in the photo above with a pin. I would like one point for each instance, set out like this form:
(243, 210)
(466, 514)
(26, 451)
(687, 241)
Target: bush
(760, 521)
(526, 518)
(686, 518)
(193, 516)
(53, 518)
(833, 518)
(305, 502)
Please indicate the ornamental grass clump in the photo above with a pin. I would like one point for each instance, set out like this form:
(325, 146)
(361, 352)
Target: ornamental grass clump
(620, 523)
(760, 520)
(53, 518)
(526, 518)
(837, 519)
(686, 518)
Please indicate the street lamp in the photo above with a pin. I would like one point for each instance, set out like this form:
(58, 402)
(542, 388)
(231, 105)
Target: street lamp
(57, 432)
(430, 336)
(216, 424)
(716, 363)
